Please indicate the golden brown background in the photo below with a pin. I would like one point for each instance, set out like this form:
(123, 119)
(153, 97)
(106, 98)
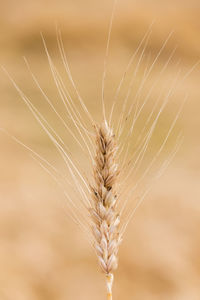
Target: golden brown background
(43, 255)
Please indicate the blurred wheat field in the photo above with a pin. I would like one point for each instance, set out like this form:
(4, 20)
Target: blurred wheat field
(43, 255)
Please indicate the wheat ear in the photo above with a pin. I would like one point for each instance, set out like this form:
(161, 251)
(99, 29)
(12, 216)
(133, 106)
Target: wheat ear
(105, 219)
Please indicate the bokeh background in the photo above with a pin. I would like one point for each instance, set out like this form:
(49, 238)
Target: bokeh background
(43, 255)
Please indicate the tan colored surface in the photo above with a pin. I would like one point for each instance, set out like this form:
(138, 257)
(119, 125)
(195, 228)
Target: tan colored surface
(43, 255)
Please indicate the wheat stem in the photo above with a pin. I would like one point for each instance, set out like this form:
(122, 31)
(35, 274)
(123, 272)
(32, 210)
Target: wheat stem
(109, 283)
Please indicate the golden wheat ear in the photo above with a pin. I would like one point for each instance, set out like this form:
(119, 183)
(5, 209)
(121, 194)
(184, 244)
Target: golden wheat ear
(105, 218)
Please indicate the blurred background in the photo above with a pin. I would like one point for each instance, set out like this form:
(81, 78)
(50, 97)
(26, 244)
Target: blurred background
(43, 254)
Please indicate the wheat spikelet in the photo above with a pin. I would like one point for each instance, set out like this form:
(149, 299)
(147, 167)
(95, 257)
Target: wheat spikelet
(104, 215)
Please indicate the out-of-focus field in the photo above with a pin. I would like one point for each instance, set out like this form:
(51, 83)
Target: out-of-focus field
(43, 255)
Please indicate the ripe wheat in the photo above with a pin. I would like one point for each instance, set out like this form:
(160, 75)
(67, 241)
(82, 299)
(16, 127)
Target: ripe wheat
(109, 151)
(106, 219)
